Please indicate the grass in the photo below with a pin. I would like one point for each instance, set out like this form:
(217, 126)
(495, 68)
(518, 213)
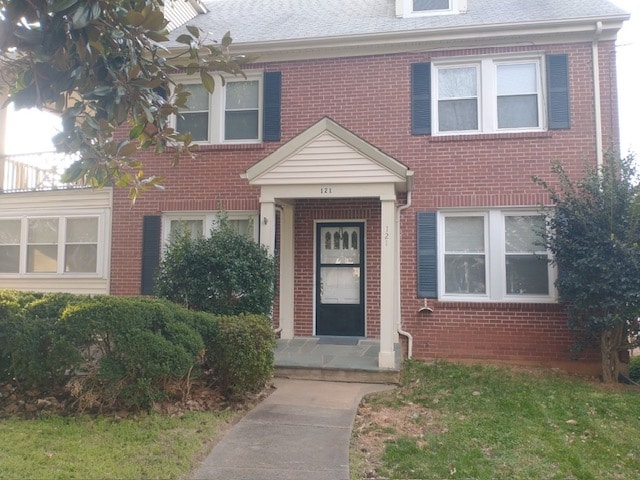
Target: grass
(147, 447)
(479, 422)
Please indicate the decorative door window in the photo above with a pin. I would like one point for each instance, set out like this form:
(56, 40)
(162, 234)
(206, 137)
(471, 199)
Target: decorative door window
(340, 265)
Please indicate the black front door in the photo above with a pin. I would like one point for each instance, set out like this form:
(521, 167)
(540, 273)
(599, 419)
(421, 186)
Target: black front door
(340, 279)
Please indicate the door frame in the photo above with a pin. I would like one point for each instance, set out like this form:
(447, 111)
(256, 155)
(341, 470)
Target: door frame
(317, 224)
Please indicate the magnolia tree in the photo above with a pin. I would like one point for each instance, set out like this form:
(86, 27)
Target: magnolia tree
(102, 65)
(594, 235)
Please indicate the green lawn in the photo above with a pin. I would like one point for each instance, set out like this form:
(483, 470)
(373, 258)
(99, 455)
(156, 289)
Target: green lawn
(478, 422)
(149, 447)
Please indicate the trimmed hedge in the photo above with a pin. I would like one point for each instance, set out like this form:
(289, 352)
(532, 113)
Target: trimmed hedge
(125, 352)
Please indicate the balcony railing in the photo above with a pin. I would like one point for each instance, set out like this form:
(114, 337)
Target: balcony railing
(33, 171)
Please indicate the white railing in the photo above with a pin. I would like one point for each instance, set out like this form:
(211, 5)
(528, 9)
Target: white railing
(33, 171)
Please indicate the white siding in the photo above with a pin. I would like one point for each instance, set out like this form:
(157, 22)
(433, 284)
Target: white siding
(62, 202)
(327, 159)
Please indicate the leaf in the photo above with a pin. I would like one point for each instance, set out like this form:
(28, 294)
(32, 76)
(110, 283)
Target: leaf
(135, 18)
(61, 5)
(226, 40)
(136, 131)
(126, 149)
(207, 81)
(184, 38)
(84, 15)
(193, 30)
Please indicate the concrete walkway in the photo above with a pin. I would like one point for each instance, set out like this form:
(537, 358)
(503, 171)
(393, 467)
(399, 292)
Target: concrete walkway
(301, 431)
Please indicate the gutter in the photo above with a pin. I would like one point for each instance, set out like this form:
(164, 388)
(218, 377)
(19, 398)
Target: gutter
(596, 96)
(402, 208)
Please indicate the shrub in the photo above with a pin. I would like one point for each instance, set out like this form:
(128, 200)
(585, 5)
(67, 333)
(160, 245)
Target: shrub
(32, 350)
(127, 352)
(227, 273)
(634, 369)
(141, 345)
(241, 356)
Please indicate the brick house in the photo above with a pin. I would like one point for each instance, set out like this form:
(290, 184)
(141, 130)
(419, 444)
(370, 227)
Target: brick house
(383, 150)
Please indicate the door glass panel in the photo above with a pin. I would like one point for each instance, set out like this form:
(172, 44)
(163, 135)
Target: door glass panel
(340, 250)
(340, 285)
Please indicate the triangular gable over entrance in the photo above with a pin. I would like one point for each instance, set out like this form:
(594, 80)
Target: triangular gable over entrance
(328, 152)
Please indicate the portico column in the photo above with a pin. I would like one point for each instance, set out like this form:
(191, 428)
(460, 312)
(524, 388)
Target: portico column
(268, 225)
(386, 357)
(286, 271)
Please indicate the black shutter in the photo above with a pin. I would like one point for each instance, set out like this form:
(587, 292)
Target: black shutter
(558, 85)
(150, 252)
(427, 255)
(421, 99)
(272, 100)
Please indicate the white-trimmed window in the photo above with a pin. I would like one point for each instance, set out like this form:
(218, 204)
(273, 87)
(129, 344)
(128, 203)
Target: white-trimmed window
(415, 8)
(231, 114)
(53, 245)
(201, 223)
(488, 95)
(493, 255)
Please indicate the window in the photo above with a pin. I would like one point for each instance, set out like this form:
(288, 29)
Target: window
(494, 255)
(458, 99)
(195, 119)
(464, 255)
(415, 8)
(10, 246)
(231, 114)
(242, 111)
(201, 223)
(526, 261)
(430, 5)
(488, 95)
(491, 255)
(81, 245)
(60, 245)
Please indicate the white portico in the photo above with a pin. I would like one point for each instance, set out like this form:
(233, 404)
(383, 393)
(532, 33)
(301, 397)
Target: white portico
(328, 162)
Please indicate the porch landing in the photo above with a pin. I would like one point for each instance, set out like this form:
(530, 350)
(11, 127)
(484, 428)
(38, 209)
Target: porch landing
(338, 359)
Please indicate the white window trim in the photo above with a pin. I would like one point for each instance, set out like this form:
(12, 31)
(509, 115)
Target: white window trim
(209, 219)
(487, 68)
(103, 244)
(495, 259)
(404, 8)
(217, 101)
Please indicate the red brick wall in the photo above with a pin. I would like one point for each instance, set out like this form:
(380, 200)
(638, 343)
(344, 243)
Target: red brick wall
(371, 97)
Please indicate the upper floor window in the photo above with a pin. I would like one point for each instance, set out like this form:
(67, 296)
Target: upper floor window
(412, 8)
(488, 96)
(231, 114)
(51, 245)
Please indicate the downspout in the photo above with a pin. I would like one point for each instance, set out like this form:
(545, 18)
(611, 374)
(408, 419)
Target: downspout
(596, 96)
(401, 208)
(276, 331)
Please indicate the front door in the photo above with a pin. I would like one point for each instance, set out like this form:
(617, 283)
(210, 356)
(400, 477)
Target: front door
(340, 279)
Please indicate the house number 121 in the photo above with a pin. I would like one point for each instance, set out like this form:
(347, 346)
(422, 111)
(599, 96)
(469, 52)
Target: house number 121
(325, 190)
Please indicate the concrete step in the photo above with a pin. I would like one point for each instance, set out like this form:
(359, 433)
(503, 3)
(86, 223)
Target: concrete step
(334, 359)
(338, 374)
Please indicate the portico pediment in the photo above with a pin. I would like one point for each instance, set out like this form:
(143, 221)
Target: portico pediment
(328, 153)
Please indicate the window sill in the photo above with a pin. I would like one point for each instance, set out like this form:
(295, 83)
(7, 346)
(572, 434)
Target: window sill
(229, 146)
(445, 304)
(488, 136)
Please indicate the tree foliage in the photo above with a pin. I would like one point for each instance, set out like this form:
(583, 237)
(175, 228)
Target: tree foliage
(103, 65)
(226, 273)
(594, 235)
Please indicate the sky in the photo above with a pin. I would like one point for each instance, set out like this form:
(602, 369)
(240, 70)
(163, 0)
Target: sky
(30, 133)
(628, 55)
